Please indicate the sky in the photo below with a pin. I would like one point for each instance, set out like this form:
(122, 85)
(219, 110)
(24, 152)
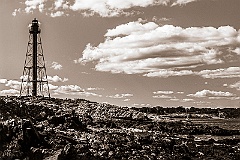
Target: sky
(140, 53)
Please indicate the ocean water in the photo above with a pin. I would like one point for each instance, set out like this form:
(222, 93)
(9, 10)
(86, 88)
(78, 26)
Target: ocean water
(230, 124)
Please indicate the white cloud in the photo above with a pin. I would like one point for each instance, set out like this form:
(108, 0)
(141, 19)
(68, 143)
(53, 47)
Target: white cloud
(182, 2)
(164, 73)
(52, 87)
(34, 4)
(16, 85)
(187, 100)
(56, 66)
(87, 94)
(212, 94)
(41, 7)
(160, 51)
(13, 84)
(231, 72)
(104, 8)
(95, 89)
(85, 73)
(141, 105)
(163, 92)
(131, 28)
(75, 61)
(3, 81)
(58, 4)
(180, 92)
(107, 8)
(56, 79)
(235, 85)
(57, 14)
(203, 103)
(159, 20)
(14, 13)
(235, 98)
(68, 89)
(236, 50)
(11, 92)
(174, 99)
(163, 97)
(121, 96)
(74, 90)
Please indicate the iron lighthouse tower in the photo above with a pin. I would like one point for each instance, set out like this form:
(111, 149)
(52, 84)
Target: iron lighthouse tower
(34, 78)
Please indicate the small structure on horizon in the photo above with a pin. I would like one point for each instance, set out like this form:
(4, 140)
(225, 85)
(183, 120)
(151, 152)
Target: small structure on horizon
(34, 78)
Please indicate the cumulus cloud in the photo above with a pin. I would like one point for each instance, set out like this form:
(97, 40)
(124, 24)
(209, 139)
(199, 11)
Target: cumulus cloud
(160, 51)
(180, 92)
(50, 79)
(202, 102)
(13, 84)
(236, 50)
(121, 96)
(104, 8)
(163, 96)
(56, 66)
(11, 92)
(212, 94)
(173, 99)
(182, 2)
(187, 100)
(163, 92)
(131, 28)
(95, 89)
(56, 79)
(58, 4)
(54, 89)
(159, 20)
(3, 81)
(14, 13)
(87, 94)
(231, 72)
(73, 90)
(126, 100)
(109, 8)
(57, 14)
(141, 105)
(180, 100)
(34, 4)
(69, 89)
(164, 73)
(235, 85)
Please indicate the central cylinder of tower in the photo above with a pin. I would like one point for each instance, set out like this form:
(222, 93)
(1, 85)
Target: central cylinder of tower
(34, 31)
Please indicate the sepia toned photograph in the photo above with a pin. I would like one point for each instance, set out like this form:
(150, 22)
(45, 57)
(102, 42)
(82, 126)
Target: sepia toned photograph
(119, 80)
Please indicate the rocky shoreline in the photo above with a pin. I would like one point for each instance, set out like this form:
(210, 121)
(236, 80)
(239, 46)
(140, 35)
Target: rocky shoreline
(80, 129)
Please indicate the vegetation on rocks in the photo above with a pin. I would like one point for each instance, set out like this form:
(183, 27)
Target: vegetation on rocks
(80, 129)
